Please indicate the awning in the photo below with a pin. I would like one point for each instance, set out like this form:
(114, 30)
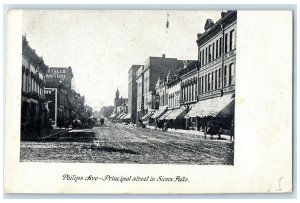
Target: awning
(116, 115)
(123, 116)
(177, 113)
(159, 112)
(216, 107)
(148, 115)
(33, 100)
(227, 111)
(26, 99)
(128, 116)
(119, 116)
(165, 115)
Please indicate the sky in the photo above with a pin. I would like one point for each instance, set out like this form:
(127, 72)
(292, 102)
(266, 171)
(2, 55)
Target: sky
(101, 46)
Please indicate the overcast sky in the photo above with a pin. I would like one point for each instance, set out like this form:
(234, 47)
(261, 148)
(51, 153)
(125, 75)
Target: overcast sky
(101, 46)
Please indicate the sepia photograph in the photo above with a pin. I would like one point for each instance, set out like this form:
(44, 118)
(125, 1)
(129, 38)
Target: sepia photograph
(141, 87)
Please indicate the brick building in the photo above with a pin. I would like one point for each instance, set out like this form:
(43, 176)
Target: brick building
(59, 95)
(132, 92)
(217, 64)
(34, 115)
(154, 68)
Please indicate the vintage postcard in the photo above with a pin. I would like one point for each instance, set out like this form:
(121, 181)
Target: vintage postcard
(148, 101)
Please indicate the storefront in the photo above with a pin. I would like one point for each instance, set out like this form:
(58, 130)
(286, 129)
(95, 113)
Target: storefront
(155, 117)
(176, 118)
(215, 113)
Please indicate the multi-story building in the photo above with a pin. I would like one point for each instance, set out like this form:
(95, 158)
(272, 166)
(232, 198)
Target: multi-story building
(189, 84)
(154, 68)
(33, 110)
(217, 54)
(132, 93)
(140, 93)
(58, 92)
(161, 92)
(217, 64)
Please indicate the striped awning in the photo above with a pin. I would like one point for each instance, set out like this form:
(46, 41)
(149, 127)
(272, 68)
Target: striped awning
(148, 115)
(177, 113)
(160, 112)
(165, 114)
(123, 116)
(128, 116)
(215, 107)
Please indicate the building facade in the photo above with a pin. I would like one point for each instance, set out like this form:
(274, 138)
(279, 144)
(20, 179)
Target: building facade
(34, 115)
(217, 65)
(120, 103)
(217, 57)
(59, 96)
(154, 68)
(132, 92)
(140, 93)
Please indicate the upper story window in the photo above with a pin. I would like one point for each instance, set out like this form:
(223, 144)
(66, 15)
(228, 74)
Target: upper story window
(225, 76)
(217, 46)
(226, 44)
(213, 51)
(203, 57)
(231, 38)
(209, 53)
(231, 74)
(208, 82)
(206, 55)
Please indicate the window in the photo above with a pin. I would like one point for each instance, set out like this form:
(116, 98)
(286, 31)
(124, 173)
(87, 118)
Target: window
(231, 45)
(226, 44)
(192, 92)
(225, 76)
(209, 53)
(205, 83)
(212, 80)
(208, 82)
(220, 76)
(196, 90)
(217, 45)
(200, 85)
(216, 79)
(231, 74)
(213, 52)
(199, 56)
(220, 46)
(206, 55)
(203, 57)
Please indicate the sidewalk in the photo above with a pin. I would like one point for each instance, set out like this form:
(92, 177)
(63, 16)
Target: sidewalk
(57, 131)
(190, 132)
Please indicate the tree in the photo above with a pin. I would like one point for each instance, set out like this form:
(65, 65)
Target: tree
(106, 111)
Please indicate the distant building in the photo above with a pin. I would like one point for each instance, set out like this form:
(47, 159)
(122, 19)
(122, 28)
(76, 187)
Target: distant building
(120, 104)
(189, 83)
(58, 92)
(33, 110)
(147, 77)
(140, 90)
(132, 92)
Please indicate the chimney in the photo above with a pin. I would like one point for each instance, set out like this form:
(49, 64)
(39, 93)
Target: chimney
(223, 14)
(199, 35)
(164, 55)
